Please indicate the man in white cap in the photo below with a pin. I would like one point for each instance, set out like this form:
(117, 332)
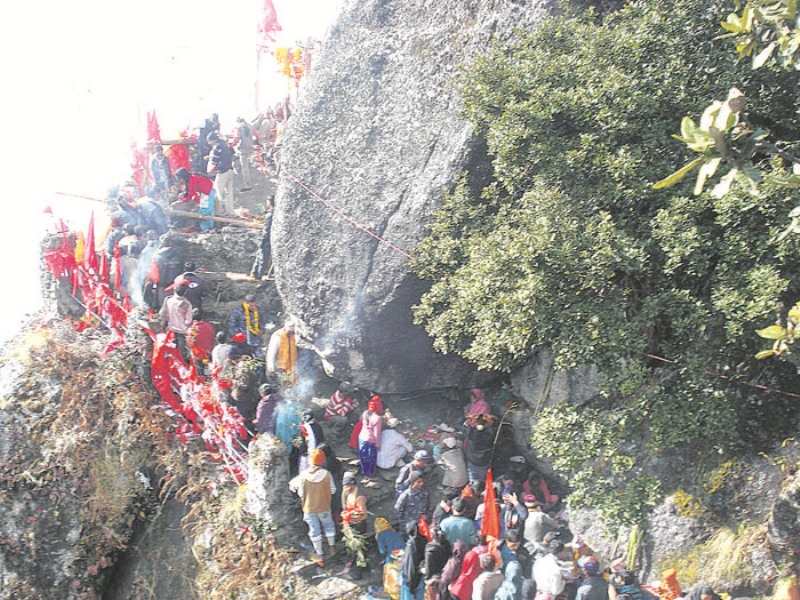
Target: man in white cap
(394, 445)
(418, 465)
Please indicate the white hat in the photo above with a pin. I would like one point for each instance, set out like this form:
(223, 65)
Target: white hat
(450, 442)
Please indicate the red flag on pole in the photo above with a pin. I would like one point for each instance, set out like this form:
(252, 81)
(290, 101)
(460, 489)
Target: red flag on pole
(490, 525)
(90, 262)
(117, 268)
(153, 130)
(269, 25)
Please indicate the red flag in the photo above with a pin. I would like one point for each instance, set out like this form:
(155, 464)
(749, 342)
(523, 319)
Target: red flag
(269, 25)
(89, 254)
(178, 157)
(103, 267)
(490, 525)
(423, 528)
(117, 268)
(153, 130)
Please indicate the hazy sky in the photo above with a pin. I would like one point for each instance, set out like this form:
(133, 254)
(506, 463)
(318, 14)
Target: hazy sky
(78, 78)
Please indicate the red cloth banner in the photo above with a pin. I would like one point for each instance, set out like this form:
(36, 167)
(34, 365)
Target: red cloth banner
(269, 25)
(490, 525)
(153, 130)
(90, 262)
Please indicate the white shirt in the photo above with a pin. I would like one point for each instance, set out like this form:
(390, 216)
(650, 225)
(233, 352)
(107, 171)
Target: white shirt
(548, 575)
(394, 446)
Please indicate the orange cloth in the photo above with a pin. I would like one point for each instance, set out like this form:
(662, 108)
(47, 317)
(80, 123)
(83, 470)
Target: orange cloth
(287, 353)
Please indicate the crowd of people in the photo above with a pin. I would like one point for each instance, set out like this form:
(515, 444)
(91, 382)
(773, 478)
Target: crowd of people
(438, 543)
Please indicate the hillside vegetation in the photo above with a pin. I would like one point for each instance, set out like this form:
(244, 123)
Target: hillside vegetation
(569, 246)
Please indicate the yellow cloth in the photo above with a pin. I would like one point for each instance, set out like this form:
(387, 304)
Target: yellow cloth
(381, 525)
(287, 353)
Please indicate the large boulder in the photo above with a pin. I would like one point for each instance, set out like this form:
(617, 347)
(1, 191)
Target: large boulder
(375, 142)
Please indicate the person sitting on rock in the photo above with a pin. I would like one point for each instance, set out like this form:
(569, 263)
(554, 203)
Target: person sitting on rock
(477, 404)
(340, 413)
(537, 485)
(394, 445)
(452, 462)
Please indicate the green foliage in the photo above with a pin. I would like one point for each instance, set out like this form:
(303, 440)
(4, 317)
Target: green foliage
(530, 265)
(719, 136)
(569, 246)
(592, 448)
(765, 30)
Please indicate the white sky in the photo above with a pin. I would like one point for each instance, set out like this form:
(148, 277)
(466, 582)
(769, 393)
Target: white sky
(78, 78)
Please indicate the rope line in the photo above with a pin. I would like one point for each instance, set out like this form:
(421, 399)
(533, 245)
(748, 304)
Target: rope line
(757, 386)
(348, 218)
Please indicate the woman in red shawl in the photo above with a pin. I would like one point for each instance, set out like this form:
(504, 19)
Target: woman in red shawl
(461, 588)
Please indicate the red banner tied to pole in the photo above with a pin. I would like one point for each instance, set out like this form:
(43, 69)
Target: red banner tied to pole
(269, 25)
(490, 525)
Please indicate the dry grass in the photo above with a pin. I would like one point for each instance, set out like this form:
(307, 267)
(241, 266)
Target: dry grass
(723, 561)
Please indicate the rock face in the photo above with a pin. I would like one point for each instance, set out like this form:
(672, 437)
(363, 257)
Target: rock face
(268, 495)
(375, 142)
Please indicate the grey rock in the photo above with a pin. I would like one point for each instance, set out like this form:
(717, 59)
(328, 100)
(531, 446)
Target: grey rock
(334, 587)
(268, 496)
(376, 141)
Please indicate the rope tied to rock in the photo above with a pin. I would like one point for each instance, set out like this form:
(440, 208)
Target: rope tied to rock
(347, 217)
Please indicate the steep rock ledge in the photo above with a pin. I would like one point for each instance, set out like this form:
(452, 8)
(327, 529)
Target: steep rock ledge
(379, 137)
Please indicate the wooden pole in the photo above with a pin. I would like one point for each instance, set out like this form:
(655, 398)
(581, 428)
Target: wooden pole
(228, 220)
(81, 197)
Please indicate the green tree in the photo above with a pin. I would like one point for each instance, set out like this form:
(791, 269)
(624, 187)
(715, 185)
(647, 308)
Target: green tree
(568, 246)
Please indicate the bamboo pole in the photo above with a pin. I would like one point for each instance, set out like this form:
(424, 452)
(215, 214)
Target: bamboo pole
(228, 220)
(81, 197)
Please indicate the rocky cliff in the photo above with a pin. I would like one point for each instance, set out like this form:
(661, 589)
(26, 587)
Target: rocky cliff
(377, 140)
